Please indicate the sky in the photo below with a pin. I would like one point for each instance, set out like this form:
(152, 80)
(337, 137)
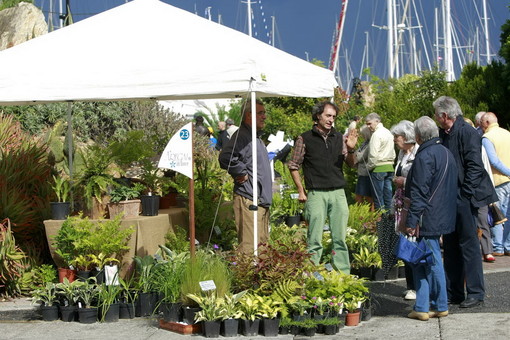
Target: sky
(305, 28)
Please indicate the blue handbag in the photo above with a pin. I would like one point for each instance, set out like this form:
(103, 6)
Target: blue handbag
(413, 252)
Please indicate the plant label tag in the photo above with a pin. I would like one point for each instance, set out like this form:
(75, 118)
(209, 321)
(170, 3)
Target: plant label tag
(328, 267)
(207, 285)
(217, 230)
(294, 196)
(111, 275)
(318, 276)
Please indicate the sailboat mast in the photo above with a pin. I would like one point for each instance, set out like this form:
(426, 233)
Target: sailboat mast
(448, 41)
(486, 29)
(390, 37)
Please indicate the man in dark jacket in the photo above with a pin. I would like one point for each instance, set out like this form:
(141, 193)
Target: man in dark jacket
(321, 152)
(432, 187)
(462, 255)
(237, 158)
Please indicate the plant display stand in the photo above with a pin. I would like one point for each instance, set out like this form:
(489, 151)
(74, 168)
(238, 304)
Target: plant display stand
(180, 328)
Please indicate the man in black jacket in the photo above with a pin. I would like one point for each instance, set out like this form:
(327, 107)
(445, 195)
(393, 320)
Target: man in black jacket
(321, 152)
(462, 256)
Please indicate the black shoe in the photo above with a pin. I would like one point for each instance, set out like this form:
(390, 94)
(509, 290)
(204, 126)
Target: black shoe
(470, 302)
(454, 302)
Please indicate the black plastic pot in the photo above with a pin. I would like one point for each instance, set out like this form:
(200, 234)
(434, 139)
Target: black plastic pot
(393, 273)
(171, 311)
(150, 205)
(294, 329)
(112, 314)
(189, 314)
(283, 330)
(330, 329)
(292, 220)
(366, 272)
(60, 210)
(379, 274)
(250, 328)
(99, 275)
(145, 304)
(308, 331)
(83, 275)
(229, 327)
(87, 315)
(211, 329)
(270, 327)
(49, 313)
(69, 313)
(126, 311)
(366, 311)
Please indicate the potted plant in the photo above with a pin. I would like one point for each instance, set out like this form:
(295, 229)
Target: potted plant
(210, 314)
(231, 314)
(300, 307)
(69, 295)
(269, 309)
(353, 312)
(96, 178)
(47, 297)
(127, 299)
(108, 302)
(123, 200)
(205, 265)
(87, 303)
(155, 184)
(366, 261)
(330, 326)
(308, 327)
(320, 308)
(145, 302)
(83, 265)
(61, 208)
(65, 244)
(284, 326)
(166, 279)
(250, 315)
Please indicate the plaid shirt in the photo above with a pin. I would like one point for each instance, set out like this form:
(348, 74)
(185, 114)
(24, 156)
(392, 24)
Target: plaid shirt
(298, 155)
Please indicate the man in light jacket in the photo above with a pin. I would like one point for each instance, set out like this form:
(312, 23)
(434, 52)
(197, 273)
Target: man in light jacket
(381, 156)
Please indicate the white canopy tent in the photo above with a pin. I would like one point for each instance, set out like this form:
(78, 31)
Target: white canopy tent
(148, 49)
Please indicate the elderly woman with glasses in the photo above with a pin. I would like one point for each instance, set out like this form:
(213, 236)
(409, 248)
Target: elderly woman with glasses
(404, 138)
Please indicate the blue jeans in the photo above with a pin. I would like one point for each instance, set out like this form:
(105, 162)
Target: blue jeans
(501, 232)
(430, 281)
(382, 189)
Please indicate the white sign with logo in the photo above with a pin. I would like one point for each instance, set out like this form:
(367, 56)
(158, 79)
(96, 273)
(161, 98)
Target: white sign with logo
(177, 155)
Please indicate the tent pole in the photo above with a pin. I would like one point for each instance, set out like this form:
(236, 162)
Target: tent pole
(70, 146)
(191, 199)
(254, 207)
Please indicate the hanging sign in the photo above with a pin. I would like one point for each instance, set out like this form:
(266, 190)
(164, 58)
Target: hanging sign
(178, 152)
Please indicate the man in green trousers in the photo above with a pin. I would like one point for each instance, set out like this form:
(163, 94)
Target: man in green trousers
(321, 153)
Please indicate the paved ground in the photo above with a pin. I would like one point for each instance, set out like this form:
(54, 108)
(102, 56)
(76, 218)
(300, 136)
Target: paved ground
(491, 321)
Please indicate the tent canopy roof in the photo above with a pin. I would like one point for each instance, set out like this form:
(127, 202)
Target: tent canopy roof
(149, 49)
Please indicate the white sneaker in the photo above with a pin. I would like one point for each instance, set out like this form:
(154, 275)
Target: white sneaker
(410, 295)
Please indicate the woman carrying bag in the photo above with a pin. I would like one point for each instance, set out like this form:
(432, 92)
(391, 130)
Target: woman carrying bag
(431, 186)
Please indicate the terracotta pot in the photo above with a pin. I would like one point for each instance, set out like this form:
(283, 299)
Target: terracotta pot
(352, 318)
(66, 272)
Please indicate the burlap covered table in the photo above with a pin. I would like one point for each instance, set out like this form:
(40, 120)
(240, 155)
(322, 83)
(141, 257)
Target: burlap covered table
(149, 233)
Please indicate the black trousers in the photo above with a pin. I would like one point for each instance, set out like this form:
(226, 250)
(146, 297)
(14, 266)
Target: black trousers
(462, 256)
